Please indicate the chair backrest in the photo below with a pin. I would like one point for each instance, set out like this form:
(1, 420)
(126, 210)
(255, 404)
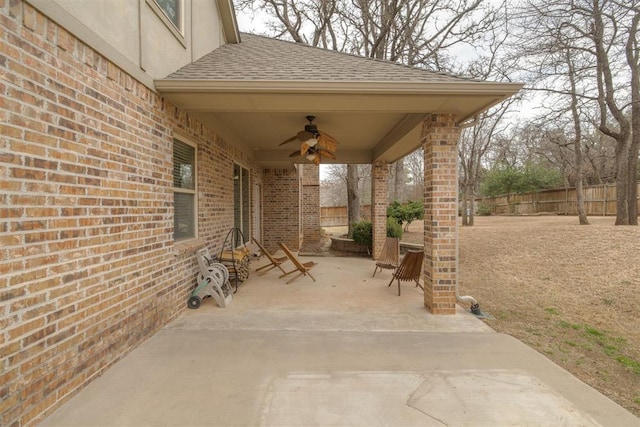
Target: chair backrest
(292, 257)
(265, 252)
(390, 251)
(411, 266)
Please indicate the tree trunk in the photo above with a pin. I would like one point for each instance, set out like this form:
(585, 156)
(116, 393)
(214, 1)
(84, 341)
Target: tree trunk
(467, 205)
(399, 181)
(472, 208)
(577, 141)
(463, 207)
(582, 215)
(622, 184)
(353, 201)
(632, 171)
(633, 60)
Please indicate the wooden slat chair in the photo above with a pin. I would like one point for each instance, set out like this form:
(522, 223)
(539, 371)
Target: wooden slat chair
(409, 269)
(273, 260)
(390, 257)
(301, 268)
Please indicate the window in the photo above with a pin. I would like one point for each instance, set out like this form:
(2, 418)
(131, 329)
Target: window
(172, 9)
(184, 190)
(241, 206)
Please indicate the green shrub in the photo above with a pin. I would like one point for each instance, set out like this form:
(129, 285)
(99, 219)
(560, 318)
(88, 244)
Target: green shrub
(363, 233)
(394, 228)
(485, 209)
(405, 212)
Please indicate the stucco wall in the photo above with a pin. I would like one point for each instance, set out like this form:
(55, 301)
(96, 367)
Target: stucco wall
(88, 265)
(136, 36)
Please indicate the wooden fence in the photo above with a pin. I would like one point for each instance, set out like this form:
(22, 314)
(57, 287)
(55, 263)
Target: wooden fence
(599, 200)
(336, 216)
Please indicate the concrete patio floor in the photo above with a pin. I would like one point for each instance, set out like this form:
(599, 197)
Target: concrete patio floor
(342, 351)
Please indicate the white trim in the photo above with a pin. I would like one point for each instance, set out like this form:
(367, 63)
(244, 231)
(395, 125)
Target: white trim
(324, 86)
(247, 233)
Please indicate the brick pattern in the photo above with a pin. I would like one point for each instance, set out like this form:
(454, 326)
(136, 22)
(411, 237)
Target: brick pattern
(379, 203)
(281, 208)
(88, 265)
(310, 208)
(439, 141)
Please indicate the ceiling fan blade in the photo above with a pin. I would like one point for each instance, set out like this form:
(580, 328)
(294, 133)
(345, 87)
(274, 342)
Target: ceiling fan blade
(326, 144)
(293, 138)
(303, 135)
(327, 136)
(295, 154)
(327, 153)
(304, 148)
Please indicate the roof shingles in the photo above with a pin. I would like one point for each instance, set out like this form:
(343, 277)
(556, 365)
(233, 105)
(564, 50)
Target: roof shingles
(262, 58)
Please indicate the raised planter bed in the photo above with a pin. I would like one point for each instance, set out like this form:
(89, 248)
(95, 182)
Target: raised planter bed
(342, 246)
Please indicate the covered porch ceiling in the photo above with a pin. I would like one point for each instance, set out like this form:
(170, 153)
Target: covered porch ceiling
(257, 93)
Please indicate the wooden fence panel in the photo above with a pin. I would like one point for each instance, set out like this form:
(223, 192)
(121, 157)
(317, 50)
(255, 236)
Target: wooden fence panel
(336, 216)
(599, 200)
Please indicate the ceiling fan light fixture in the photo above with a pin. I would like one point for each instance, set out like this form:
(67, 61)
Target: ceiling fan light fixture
(315, 144)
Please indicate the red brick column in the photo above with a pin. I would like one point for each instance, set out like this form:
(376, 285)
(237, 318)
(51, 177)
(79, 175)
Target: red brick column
(310, 208)
(280, 208)
(379, 202)
(439, 140)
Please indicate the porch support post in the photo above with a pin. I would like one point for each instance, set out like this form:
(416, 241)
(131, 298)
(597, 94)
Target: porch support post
(310, 208)
(439, 142)
(379, 202)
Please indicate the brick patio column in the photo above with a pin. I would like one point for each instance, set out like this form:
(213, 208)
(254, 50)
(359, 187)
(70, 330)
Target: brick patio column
(379, 202)
(439, 141)
(310, 208)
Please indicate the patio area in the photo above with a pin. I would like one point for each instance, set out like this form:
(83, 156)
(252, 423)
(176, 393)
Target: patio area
(344, 350)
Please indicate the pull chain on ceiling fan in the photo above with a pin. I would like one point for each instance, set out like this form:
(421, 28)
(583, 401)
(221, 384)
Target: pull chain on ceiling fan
(315, 143)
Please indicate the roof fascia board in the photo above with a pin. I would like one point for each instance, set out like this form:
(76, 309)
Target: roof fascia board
(229, 22)
(323, 86)
(402, 128)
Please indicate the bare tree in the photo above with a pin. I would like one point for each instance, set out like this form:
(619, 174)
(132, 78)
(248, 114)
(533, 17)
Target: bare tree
(477, 138)
(414, 166)
(473, 145)
(597, 40)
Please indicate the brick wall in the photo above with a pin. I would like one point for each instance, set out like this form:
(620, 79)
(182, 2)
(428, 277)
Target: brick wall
(310, 208)
(281, 208)
(439, 139)
(379, 204)
(88, 265)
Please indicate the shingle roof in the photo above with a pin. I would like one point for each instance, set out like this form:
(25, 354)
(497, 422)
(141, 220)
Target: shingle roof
(262, 58)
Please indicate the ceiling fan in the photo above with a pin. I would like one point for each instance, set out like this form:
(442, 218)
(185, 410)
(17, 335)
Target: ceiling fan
(314, 143)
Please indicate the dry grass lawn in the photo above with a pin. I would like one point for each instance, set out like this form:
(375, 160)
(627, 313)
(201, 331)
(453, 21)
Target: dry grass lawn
(571, 292)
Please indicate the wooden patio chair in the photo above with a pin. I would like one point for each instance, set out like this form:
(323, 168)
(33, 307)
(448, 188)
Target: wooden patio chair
(390, 256)
(301, 268)
(409, 269)
(273, 260)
